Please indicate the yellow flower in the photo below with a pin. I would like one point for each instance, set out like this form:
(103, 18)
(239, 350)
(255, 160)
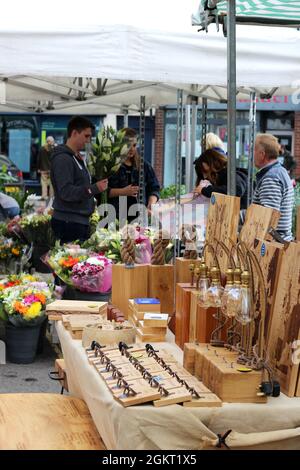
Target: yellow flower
(15, 251)
(29, 278)
(34, 310)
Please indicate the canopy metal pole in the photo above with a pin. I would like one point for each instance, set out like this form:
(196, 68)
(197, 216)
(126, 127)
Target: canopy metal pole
(142, 151)
(231, 97)
(252, 125)
(188, 159)
(193, 143)
(203, 124)
(178, 167)
(125, 116)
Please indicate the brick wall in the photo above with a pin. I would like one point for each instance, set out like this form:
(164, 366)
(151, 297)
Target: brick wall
(159, 145)
(297, 143)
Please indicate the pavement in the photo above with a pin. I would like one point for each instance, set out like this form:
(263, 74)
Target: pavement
(30, 378)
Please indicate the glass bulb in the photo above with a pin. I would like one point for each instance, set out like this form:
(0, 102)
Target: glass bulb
(214, 295)
(203, 290)
(233, 301)
(244, 315)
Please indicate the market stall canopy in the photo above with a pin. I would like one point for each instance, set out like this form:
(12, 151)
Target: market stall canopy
(266, 12)
(125, 50)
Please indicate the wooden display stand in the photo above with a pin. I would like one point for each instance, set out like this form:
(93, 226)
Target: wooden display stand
(284, 330)
(182, 266)
(219, 371)
(128, 283)
(259, 220)
(222, 224)
(161, 286)
(202, 322)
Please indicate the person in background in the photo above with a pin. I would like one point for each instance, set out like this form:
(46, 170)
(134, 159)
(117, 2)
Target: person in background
(287, 160)
(273, 184)
(126, 181)
(211, 171)
(214, 142)
(9, 206)
(73, 191)
(43, 167)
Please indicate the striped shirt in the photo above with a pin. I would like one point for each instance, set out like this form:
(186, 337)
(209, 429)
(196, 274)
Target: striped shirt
(274, 189)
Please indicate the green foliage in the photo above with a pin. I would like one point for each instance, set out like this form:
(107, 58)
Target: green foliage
(5, 177)
(170, 191)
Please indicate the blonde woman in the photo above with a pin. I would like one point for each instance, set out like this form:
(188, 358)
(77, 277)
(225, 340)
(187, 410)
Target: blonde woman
(214, 142)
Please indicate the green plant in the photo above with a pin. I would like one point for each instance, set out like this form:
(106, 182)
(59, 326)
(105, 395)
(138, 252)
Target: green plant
(170, 191)
(296, 204)
(5, 177)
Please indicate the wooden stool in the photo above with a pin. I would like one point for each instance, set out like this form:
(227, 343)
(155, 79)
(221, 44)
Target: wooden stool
(44, 421)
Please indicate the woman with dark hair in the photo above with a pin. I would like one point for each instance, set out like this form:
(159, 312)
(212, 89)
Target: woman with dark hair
(211, 171)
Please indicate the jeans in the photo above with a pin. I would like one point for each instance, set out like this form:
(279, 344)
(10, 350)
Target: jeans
(68, 232)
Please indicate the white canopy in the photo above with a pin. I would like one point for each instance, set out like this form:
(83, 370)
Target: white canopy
(40, 56)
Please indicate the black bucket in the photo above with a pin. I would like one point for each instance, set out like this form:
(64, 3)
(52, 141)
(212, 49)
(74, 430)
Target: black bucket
(21, 343)
(74, 294)
(37, 263)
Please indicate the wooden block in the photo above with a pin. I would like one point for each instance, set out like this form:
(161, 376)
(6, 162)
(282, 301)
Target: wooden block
(155, 320)
(128, 283)
(225, 380)
(60, 307)
(202, 321)
(45, 421)
(284, 330)
(176, 395)
(297, 394)
(222, 224)
(62, 373)
(205, 400)
(183, 273)
(183, 304)
(147, 304)
(298, 224)
(161, 286)
(257, 223)
(144, 394)
(158, 338)
(189, 357)
(151, 330)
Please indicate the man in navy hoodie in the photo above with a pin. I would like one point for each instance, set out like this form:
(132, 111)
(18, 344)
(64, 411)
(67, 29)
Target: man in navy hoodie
(73, 191)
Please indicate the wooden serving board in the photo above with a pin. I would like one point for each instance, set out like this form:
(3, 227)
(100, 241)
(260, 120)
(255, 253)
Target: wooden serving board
(206, 400)
(59, 307)
(177, 395)
(284, 330)
(258, 221)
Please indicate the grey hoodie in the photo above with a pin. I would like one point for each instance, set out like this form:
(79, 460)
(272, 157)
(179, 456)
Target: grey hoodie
(73, 191)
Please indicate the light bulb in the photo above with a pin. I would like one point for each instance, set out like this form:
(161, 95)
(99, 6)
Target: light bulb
(215, 291)
(226, 293)
(245, 314)
(203, 285)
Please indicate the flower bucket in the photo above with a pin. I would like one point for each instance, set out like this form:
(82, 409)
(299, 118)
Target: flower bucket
(74, 294)
(21, 343)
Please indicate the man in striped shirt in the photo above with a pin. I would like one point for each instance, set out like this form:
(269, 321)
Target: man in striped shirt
(273, 185)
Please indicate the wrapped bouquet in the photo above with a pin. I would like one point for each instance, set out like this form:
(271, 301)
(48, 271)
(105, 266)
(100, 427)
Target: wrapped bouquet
(93, 275)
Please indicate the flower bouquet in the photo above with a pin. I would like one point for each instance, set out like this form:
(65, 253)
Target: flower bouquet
(143, 248)
(36, 229)
(107, 153)
(61, 260)
(24, 305)
(93, 275)
(107, 242)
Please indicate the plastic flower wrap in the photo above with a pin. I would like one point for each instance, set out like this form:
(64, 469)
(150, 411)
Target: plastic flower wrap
(143, 249)
(93, 275)
(106, 241)
(61, 260)
(24, 305)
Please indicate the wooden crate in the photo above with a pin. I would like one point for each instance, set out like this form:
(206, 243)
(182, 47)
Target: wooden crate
(161, 286)
(258, 221)
(222, 224)
(128, 283)
(285, 320)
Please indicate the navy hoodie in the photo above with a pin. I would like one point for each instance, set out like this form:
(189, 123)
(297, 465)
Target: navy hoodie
(73, 191)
